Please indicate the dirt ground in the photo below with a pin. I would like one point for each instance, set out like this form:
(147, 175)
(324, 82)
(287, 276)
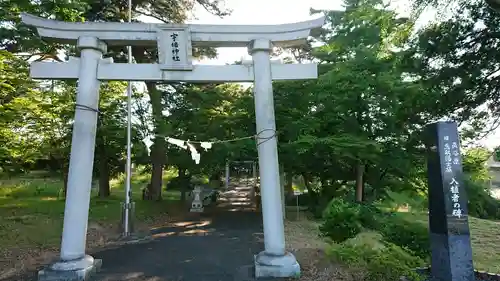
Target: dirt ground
(302, 238)
(17, 261)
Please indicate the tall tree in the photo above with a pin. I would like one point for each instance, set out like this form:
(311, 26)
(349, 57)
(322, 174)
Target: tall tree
(459, 58)
(18, 38)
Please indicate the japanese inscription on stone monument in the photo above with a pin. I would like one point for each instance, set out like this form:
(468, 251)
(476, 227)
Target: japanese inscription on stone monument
(452, 160)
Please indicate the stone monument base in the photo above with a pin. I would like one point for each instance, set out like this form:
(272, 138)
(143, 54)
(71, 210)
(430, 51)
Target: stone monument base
(267, 265)
(197, 210)
(76, 270)
(197, 205)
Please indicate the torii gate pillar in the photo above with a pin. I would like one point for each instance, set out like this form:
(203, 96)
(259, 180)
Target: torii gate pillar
(274, 260)
(74, 264)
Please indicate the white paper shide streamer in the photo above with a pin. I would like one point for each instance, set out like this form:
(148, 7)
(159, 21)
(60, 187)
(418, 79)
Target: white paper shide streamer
(195, 155)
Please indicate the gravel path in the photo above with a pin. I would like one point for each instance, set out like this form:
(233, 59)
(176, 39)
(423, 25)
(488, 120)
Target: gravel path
(214, 246)
(217, 245)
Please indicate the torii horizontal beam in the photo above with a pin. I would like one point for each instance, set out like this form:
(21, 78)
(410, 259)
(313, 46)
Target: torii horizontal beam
(152, 72)
(145, 34)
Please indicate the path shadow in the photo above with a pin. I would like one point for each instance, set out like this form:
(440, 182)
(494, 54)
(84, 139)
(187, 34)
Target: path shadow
(207, 248)
(216, 245)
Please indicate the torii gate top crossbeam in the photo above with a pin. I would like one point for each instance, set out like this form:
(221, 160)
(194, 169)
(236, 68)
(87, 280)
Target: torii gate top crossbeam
(145, 34)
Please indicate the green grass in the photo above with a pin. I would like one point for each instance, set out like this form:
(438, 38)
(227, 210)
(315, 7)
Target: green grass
(485, 235)
(32, 209)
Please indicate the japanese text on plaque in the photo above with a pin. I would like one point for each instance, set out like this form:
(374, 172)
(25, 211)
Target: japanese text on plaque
(175, 47)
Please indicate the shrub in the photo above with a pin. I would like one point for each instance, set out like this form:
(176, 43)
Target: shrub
(371, 217)
(391, 263)
(413, 236)
(318, 206)
(354, 255)
(341, 220)
(179, 183)
(386, 264)
(481, 203)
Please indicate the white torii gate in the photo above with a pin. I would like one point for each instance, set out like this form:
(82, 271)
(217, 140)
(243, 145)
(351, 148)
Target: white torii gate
(174, 42)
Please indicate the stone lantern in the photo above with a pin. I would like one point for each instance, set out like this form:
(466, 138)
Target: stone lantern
(197, 204)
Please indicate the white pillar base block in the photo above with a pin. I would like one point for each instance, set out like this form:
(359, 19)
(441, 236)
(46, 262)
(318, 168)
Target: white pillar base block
(197, 206)
(268, 265)
(196, 209)
(75, 270)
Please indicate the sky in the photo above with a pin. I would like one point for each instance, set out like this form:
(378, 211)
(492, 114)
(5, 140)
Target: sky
(288, 11)
(260, 12)
(266, 12)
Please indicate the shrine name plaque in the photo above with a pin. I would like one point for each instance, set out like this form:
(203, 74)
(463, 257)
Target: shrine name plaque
(174, 48)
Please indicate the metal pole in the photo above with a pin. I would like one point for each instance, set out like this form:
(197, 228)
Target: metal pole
(227, 175)
(126, 230)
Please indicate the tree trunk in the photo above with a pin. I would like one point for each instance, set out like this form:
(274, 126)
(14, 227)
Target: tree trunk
(289, 183)
(104, 177)
(360, 169)
(307, 183)
(157, 156)
(65, 179)
(184, 189)
(158, 153)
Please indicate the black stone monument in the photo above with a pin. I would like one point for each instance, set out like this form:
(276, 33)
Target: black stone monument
(451, 250)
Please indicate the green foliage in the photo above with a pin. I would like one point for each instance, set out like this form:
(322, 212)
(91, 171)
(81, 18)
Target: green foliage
(391, 263)
(348, 253)
(17, 97)
(371, 217)
(17, 38)
(179, 183)
(341, 220)
(460, 67)
(339, 122)
(496, 154)
(481, 204)
(388, 263)
(474, 163)
(396, 200)
(413, 236)
(378, 86)
(32, 210)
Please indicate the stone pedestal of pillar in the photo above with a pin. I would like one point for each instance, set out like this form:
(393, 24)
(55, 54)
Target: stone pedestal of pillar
(282, 266)
(77, 270)
(197, 204)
